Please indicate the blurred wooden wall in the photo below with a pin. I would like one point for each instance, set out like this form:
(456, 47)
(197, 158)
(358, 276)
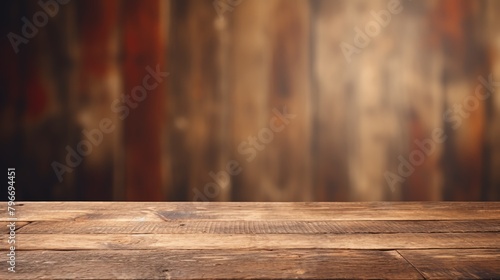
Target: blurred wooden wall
(228, 70)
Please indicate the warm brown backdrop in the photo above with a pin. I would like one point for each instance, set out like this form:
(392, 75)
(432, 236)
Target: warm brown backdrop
(227, 74)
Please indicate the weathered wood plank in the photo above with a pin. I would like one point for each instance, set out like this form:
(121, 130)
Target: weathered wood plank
(211, 264)
(39, 211)
(251, 241)
(272, 240)
(258, 227)
(368, 207)
(455, 264)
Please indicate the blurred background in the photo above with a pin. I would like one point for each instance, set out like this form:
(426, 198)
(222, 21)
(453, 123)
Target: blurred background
(254, 100)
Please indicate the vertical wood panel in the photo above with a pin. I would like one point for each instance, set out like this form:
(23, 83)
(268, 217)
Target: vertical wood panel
(10, 85)
(361, 101)
(270, 71)
(198, 128)
(35, 87)
(458, 31)
(287, 165)
(491, 190)
(40, 103)
(332, 94)
(370, 121)
(99, 86)
(421, 70)
(249, 79)
(64, 53)
(144, 40)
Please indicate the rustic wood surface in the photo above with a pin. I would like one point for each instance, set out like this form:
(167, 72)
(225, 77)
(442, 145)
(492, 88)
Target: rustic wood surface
(221, 240)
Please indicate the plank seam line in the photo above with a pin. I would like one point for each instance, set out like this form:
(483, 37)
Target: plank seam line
(419, 272)
(28, 223)
(386, 249)
(163, 218)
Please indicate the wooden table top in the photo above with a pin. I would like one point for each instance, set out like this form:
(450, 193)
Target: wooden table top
(174, 240)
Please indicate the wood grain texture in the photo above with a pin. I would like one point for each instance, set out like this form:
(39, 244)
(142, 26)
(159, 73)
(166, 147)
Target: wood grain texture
(213, 264)
(221, 240)
(455, 264)
(199, 226)
(320, 211)
(267, 241)
(19, 225)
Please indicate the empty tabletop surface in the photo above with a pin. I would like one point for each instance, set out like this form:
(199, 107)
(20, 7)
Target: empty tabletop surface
(233, 240)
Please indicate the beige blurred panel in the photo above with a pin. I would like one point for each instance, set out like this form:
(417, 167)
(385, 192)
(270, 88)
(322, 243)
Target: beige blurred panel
(374, 123)
(359, 108)
(332, 92)
(249, 63)
(287, 157)
(269, 62)
(420, 78)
